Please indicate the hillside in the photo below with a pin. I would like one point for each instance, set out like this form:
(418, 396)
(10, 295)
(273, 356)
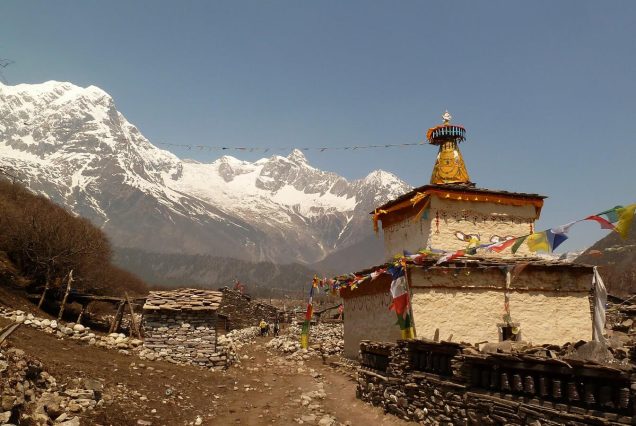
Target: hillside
(42, 243)
(616, 259)
(262, 279)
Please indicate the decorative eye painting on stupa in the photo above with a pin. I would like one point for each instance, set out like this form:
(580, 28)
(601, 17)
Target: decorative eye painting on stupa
(476, 238)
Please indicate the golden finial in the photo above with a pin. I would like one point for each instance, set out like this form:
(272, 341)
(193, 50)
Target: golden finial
(449, 167)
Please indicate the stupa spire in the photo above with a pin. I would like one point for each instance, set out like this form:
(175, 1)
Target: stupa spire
(449, 167)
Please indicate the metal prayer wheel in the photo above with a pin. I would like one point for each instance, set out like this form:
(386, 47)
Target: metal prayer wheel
(556, 389)
(476, 377)
(573, 392)
(485, 378)
(590, 399)
(605, 396)
(493, 379)
(505, 385)
(623, 398)
(435, 362)
(517, 383)
(528, 385)
(443, 364)
(543, 386)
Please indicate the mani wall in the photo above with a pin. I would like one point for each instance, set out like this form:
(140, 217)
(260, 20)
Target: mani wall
(448, 383)
(437, 226)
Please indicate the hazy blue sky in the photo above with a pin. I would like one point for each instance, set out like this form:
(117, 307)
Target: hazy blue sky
(546, 89)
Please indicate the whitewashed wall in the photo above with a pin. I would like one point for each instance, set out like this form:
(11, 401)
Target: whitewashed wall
(368, 318)
(470, 306)
(454, 216)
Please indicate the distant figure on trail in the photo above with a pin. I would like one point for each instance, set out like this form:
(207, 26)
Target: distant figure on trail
(276, 328)
(263, 326)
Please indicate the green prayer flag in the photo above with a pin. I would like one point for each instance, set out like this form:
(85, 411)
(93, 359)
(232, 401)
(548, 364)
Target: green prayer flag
(518, 243)
(612, 214)
(404, 321)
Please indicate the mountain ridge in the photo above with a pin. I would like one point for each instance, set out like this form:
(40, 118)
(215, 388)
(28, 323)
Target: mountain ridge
(73, 145)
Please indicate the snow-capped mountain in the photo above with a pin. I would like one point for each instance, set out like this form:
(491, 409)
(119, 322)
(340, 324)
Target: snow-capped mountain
(72, 144)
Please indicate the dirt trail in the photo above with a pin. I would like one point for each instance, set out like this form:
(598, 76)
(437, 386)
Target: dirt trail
(264, 389)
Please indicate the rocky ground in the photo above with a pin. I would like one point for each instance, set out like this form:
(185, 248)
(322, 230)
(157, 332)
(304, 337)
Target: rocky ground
(326, 339)
(57, 379)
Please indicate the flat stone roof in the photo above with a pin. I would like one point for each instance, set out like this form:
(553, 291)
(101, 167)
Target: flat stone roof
(183, 299)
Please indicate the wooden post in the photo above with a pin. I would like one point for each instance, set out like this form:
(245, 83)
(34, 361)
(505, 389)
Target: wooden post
(68, 290)
(114, 326)
(133, 324)
(410, 293)
(47, 286)
(82, 312)
(6, 332)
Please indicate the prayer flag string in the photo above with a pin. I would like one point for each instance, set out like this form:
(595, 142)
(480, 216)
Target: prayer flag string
(288, 148)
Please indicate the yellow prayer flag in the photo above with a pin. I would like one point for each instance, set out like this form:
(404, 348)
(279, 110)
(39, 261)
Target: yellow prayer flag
(625, 218)
(408, 333)
(304, 341)
(538, 242)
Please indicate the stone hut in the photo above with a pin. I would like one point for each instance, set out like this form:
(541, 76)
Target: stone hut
(180, 325)
(241, 311)
(496, 296)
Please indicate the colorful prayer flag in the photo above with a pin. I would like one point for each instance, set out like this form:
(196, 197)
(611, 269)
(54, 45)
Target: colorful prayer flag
(450, 256)
(309, 312)
(555, 239)
(605, 224)
(406, 326)
(400, 304)
(611, 214)
(538, 242)
(501, 246)
(517, 244)
(377, 273)
(564, 229)
(399, 290)
(625, 219)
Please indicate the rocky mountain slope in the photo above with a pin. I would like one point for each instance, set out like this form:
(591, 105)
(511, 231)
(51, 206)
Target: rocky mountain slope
(262, 279)
(616, 259)
(72, 144)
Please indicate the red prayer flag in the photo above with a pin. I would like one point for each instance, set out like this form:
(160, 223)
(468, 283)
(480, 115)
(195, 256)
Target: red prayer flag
(605, 224)
(499, 247)
(309, 313)
(400, 304)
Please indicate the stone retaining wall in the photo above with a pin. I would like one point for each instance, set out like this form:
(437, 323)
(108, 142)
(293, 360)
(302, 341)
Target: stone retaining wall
(449, 383)
(242, 311)
(184, 337)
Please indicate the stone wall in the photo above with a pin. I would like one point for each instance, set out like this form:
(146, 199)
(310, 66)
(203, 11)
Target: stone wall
(187, 337)
(443, 218)
(449, 383)
(242, 311)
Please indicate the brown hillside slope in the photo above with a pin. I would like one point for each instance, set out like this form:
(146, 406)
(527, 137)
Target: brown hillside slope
(617, 261)
(41, 242)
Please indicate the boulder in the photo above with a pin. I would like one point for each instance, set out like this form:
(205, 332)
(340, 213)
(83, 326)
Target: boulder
(591, 351)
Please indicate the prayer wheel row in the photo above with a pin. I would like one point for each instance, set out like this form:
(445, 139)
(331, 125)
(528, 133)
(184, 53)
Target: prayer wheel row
(555, 388)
